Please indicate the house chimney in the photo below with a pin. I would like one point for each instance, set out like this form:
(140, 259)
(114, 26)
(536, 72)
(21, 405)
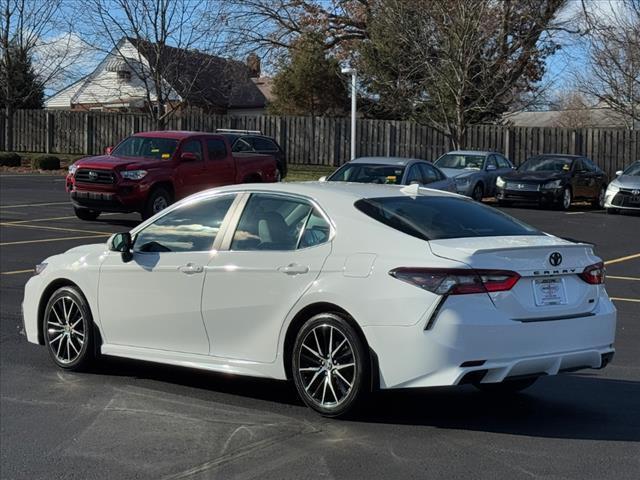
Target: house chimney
(253, 63)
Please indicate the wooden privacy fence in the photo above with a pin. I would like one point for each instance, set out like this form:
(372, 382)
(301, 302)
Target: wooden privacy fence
(319, 141)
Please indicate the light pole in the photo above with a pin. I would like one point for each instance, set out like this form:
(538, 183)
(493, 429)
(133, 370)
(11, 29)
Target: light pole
(353, 73)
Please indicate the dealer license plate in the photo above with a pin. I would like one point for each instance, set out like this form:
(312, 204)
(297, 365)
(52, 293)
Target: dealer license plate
(549, 291)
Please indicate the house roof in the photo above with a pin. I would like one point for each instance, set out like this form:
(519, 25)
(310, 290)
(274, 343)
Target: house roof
(201, 79)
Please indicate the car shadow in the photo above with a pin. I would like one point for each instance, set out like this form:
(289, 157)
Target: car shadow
(571, 406)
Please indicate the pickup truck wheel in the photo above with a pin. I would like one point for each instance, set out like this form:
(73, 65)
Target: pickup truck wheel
(159, 199)
(86, 214)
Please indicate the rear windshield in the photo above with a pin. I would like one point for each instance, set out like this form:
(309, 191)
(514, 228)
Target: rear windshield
(433, 218)
(368, 173)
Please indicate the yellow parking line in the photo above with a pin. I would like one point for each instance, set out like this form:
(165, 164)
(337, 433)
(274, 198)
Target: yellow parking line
(44, 227)
(623, 278)
(44, 240)
(637, 300)
(16, 272)
(54, 218)
(22, 205)
(622, 259)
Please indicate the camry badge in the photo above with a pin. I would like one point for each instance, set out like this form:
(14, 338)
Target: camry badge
(555, 259)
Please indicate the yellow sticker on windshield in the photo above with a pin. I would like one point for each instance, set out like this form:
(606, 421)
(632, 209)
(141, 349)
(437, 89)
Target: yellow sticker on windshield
(166, 155)
(565, 166)
(391, 178)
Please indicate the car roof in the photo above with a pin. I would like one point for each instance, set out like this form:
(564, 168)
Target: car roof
(399, 161)
(172, 134)
(470, 152)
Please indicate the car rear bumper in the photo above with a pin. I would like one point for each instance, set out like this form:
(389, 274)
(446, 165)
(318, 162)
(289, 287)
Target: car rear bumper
(472, 340)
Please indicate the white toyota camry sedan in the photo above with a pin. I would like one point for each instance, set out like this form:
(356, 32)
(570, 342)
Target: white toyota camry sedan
(341, 288)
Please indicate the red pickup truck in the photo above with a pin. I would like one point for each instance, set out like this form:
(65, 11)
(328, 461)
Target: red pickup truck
(148, 171)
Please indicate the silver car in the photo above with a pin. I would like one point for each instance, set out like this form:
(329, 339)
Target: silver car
(623, 193)
(393, 170)
(474, 172)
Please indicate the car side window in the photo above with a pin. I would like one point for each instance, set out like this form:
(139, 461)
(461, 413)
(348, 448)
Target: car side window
(242, 145)
(316, 231)
(264, 144)
(190, 228)
(217, 149)
(578, 166)
(271, 222)
(429, 174)
(589, 165)
(491, 160)
(193, 146)
(414, 176)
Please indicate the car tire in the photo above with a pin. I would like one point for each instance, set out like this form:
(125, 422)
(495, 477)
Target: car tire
(478, 192)
(330, 365)
(67, 327)
(86, 213)
(598, 202)
(565, 201)
(613, 211)
(159, 199)
(506, 386)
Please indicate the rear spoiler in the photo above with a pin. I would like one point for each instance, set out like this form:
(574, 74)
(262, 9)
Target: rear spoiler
(574, 240)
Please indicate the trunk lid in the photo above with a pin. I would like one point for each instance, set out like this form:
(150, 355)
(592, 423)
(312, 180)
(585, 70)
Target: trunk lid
(544, 290)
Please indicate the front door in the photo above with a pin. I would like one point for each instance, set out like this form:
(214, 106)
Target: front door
(219, 166)
(153, 300)
(277, 251)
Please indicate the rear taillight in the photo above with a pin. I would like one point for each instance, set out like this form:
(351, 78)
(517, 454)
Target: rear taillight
(594, 274)
(457, 281)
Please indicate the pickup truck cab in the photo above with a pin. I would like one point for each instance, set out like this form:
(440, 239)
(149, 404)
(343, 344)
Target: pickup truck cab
(148, 171)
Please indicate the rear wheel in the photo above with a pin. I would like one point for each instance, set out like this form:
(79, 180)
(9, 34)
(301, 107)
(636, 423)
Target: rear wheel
(159, 199)
(67, 327)
(507, 386)
(86, 213)
(329, 365)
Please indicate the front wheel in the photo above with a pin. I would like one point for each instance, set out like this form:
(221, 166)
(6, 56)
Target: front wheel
(478, 193)
(598, 202)
(565, 200)
(506, 386)
(158, 200)
(86, 213)
(329, 365)
(67, 327)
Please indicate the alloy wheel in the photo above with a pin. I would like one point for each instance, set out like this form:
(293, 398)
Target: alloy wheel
(66, 329)
(566, 198)
(327, 366)
(601, 198)
(159, 204)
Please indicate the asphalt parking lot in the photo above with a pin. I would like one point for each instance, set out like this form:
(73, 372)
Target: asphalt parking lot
(135, 420)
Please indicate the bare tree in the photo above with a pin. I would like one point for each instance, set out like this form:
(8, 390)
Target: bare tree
(455, 63)
(612, 73)
(25, 26)
(575, 111)
(172, 41)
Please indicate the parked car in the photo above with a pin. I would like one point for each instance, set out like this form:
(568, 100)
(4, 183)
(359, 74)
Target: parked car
(623, 193)
(148, 171)
(474, 172)
(338, 287)
(252, 141)
(392, 171)
(554, 179)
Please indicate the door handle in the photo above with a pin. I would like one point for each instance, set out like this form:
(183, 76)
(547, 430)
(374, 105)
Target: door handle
(190, 268)
(294, 269)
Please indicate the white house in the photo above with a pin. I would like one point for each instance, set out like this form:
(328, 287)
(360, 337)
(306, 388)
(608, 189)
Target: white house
(190, 78)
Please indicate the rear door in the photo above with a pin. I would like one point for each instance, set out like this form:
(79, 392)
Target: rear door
(263, 267)
(220, 168)
(190, 176)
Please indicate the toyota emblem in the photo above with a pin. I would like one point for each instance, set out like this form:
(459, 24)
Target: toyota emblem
(555, 259)
(520, 186)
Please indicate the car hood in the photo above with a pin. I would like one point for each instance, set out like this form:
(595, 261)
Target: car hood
(91, 248)
(533, 176)
(458, 173)
(627, 181)
(113, 162)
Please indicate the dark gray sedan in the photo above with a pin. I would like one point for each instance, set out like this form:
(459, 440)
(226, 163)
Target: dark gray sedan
(474, 172)
(393, 171)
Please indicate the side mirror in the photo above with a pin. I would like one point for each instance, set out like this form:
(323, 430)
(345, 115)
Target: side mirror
(323, 179)
(188, 157)
(491, 168)
(619, 172)
(108, 150)
(121, 242)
